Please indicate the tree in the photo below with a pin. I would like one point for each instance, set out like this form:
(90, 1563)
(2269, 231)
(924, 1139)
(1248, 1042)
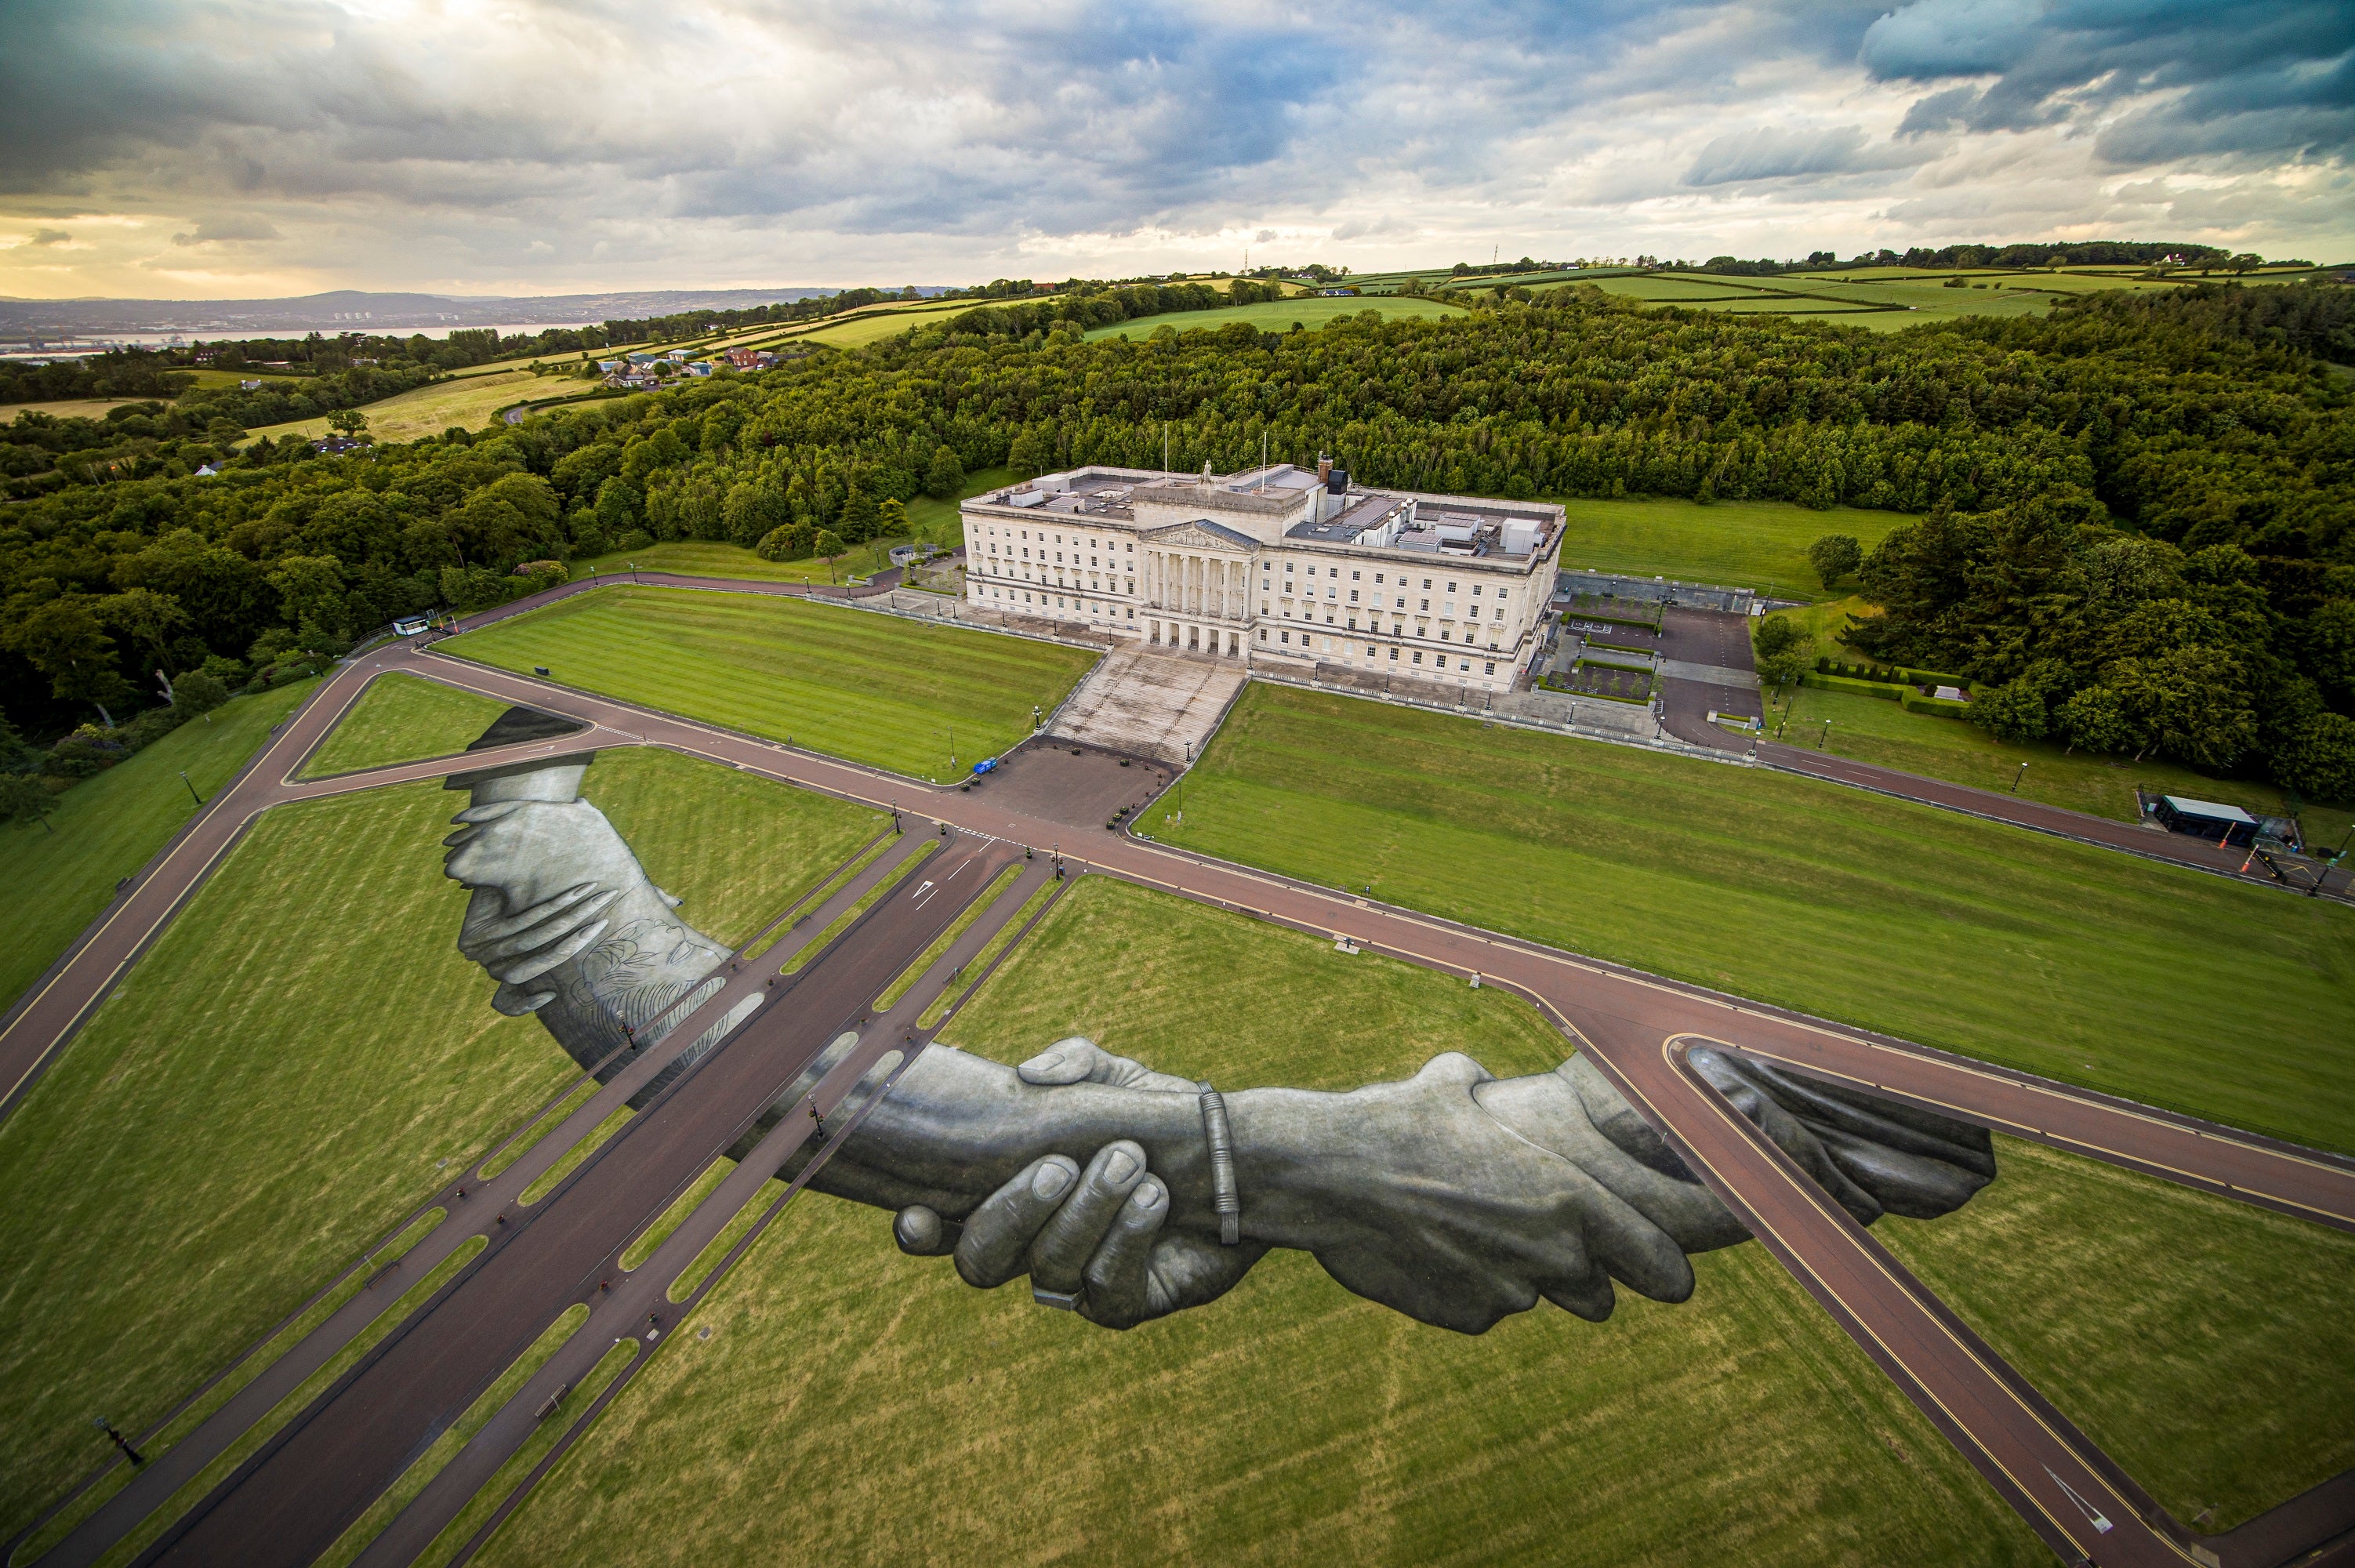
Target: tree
(944, 475)
(147, 617)
(348, 423)
(860, 516)
(23, 798)
(828, 544)
(2097, 720)
(753, 511)
(64, 641)
(891, 518)
(198, 692)
(1779, 648)
(2190, 703)
(2318, 759)
(1833, 555)
(311, 588)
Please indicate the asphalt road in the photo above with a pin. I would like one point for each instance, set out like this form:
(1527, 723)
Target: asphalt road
(290, 1502)
(1634, 1026)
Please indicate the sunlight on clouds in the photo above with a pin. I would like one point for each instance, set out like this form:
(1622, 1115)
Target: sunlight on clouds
(525, 145)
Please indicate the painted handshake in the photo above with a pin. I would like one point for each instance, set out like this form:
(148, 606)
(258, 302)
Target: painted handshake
(1453, 1197)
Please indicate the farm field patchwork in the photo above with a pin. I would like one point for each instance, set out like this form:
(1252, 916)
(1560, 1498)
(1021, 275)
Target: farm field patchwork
(2153, 982)
(1290, 1421)
(108, 826)
(870, 688)
(1761, 545)
(1277, 315)
(2207, 1346)
(304, 1039)
(401, 718)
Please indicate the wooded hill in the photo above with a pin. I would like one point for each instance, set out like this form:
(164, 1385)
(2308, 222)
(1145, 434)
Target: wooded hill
(2158, 478)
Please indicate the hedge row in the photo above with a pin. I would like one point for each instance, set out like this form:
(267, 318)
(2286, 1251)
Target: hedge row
(1914, 702)
(1889, 674)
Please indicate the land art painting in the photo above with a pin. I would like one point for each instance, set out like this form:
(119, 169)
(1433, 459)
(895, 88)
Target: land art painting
(1126, 1194)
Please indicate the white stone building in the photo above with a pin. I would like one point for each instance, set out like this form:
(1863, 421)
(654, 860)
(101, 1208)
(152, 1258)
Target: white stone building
(1277, 564)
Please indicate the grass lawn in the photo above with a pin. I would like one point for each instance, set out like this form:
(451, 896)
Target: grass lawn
(467, 400)
(109, 827)
(1872, 731)
(1289, 1422)
(870, 688)
(1736, 544)
(2207, 1346)
(1277, 315)
(401, 718)
(2155, 982)
(297, 1063)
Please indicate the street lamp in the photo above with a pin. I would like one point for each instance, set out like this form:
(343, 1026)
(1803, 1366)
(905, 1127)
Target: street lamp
(119, 1440)
(2018, 776)
(1825, 736)
(2324, 870)
(192, 790)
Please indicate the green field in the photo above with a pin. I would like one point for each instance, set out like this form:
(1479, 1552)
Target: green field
(109, 827)
(1277, 315)
(2158, 983)
(465, 400)
(401, 718)
(1760, 545)
(1290, 1422)
(1872, 731)
(873, 688)
(2207, 1346)
(301, 1059)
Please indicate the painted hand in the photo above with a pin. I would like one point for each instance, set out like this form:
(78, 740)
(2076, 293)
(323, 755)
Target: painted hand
(1095, 1237)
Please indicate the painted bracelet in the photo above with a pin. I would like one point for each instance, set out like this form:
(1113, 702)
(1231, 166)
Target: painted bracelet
(1224, 1198)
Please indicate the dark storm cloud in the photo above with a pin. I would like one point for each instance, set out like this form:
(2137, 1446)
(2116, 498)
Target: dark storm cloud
(2170, 80)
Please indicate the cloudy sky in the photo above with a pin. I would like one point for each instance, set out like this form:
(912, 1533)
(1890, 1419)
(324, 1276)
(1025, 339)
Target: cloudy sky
(217, 148)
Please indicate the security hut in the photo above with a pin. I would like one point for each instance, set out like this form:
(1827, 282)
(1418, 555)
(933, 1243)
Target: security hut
(2218, 824)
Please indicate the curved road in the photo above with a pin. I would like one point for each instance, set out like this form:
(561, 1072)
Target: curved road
(1632, 1025)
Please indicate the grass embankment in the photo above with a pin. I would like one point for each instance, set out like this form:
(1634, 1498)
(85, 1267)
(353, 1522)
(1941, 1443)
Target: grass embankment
(2207, 1346)
(1761, 545)
(873, 688)
(299, 1061)
(401, 718)
(1884, 734)
(109, 827)
(2161, 984)
(1278, 315)
(1290, 1421)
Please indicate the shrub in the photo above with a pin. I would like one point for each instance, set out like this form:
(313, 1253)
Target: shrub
(198, 692)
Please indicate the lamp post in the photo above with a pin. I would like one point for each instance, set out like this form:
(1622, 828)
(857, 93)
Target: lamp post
(2018, 776)
(2325, 870)
(192, 790)
(1823, 738)
(118, 1439)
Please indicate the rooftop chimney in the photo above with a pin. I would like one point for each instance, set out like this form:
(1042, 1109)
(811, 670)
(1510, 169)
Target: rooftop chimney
(1324, 468)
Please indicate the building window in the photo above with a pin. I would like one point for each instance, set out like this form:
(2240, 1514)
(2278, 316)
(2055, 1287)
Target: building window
(1426, 582)
(1418, 657)
(1475, 590)
(1370, 650)
(1288, 637)
(1353, 596)
(1263, 634)
(1451, 587)
(1287, 566)
(1393, 656)
(1427, 603)
(1357, 577)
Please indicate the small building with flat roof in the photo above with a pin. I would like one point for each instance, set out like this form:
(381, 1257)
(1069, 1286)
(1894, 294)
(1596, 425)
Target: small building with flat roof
(2208, 819)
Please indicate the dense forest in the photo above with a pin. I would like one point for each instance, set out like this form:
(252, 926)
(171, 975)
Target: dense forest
(2138, 515)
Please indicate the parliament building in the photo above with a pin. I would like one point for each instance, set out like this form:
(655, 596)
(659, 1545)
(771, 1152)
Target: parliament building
(1277, 564)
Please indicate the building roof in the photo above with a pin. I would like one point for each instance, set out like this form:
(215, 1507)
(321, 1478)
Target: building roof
(2222, 812)
(1217, 530)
